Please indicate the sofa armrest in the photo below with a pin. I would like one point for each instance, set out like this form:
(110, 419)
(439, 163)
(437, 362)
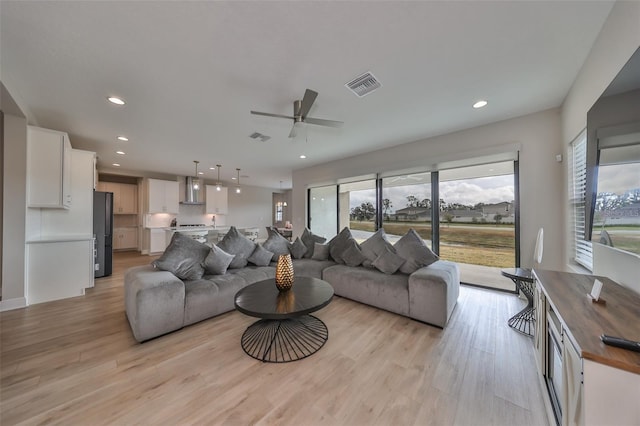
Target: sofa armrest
(433, 292)
(154, 301)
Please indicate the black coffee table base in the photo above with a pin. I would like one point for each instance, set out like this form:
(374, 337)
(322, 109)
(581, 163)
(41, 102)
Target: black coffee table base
(284, 340)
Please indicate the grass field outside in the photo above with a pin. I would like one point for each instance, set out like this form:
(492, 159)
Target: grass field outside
(486, 245)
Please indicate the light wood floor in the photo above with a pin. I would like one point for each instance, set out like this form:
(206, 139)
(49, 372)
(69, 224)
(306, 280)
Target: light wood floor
(75, 362)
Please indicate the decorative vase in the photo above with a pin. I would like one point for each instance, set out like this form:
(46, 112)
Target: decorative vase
(284, 272)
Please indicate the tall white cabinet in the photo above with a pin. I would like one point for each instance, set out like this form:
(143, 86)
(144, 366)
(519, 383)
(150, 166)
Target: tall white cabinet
(59, 237)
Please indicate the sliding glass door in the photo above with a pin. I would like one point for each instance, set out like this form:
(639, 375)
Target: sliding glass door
(406, 203)
(357, 201)
(477, 221)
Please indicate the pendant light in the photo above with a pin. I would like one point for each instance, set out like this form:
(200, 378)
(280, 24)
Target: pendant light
(218, 184)
(196, 180)
(238, 190)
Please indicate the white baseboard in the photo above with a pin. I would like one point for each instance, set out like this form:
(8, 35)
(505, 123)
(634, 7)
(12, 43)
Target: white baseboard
(144, 252)
(10, 304)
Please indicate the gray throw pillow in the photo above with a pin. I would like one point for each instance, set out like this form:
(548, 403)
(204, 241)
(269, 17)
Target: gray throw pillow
(339, 244)
(352, 255)
(374, 246)
(237, 244)
(388, 262)
(320, 252)
(260, 256)
(276, 244)
(297, 249)
(414, 251)
(217, 261)
(183, 257)
(309, 239)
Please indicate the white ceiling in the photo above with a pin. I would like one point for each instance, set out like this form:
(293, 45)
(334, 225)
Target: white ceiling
(190, 72)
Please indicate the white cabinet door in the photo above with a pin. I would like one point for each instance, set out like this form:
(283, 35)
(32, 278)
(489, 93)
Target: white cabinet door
(157, 241)
(162, 196)
(217, 201)
(57, 270)
(48, 168)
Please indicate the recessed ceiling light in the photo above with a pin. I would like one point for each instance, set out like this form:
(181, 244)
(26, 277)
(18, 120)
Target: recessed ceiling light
(115, 100)
(303, 156)
(120, 152)
(123, 138)
(116, 164)
(233, 178)
(212, 168)
(479, 104)
(200, 173)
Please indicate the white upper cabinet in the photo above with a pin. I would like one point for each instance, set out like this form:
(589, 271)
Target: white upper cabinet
(163, 196)
(217, 201)
(48, 168)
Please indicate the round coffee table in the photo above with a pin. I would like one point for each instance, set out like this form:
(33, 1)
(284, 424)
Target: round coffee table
(286, 332)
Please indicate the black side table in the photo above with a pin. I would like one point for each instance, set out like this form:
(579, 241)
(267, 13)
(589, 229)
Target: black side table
(524, 320)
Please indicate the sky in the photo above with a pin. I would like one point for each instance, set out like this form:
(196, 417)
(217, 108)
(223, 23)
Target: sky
(618, 178)
(488, 190)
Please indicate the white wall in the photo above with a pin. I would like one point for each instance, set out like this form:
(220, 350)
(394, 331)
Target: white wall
(535, 136)
(14, 202)
(617, 41)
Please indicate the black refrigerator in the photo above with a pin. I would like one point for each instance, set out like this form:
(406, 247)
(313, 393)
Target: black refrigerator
(103, 231)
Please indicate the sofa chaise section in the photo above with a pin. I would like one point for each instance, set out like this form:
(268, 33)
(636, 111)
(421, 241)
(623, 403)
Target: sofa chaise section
(428, 295)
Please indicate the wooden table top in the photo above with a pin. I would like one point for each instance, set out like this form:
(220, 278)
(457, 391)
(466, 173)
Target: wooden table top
(586, 321)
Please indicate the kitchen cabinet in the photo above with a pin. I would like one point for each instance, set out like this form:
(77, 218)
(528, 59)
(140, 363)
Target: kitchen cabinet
(162, 196)
(157, 240)
(58, 268)
(217, 201)
(125, 238)
(48, 168)
(585, 377)
(125, 196)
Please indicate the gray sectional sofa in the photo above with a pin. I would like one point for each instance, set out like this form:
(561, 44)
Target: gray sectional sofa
(158, 302)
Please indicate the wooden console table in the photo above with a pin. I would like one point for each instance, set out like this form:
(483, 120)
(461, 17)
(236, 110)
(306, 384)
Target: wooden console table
(600, 383)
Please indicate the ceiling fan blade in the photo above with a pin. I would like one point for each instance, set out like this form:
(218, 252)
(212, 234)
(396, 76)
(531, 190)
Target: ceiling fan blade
(308, 100)
(322, 122)
(268, 114)
(294, 131)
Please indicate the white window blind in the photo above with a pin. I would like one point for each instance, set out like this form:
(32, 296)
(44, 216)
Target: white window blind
(578, 179)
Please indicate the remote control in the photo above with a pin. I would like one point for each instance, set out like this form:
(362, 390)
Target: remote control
(621, 343)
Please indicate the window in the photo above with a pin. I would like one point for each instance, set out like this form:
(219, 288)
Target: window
(616, 220)
(323, 208)
(577, 196)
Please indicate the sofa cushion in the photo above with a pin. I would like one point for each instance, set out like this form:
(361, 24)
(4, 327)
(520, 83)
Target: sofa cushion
(217, 261)
(253, 274)
(183, 257)
(388, 262)
(209, 297)
(414, 251)
(276, 244)
(297, 249)
(260, 256)
(320, 252)
(374, 246)
(239, 245)
(353, 255)
(339, 244)
(389, 292)
(310, 239)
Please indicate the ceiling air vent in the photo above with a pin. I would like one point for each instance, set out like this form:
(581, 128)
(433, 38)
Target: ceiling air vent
(256, 135)
(364, 84)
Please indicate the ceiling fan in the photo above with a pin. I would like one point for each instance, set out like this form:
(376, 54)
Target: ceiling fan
(300, 111)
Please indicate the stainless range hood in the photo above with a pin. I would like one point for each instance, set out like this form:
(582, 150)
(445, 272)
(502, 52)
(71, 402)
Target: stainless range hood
(193, 196)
